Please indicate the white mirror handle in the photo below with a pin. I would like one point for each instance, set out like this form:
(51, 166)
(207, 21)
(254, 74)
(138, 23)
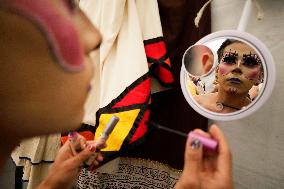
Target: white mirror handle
(245, 16)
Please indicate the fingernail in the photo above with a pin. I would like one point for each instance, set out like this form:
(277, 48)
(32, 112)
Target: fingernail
(195, 144)
(92, 148)
(206, 142)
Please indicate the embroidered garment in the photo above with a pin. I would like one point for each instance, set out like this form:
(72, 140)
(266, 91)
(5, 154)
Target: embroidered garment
(124, 173)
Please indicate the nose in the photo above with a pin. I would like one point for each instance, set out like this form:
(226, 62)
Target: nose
(237, 70)
(91, 37)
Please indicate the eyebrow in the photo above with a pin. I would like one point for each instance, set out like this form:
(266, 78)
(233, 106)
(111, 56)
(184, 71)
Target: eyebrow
(250, 54)
(230, 53)
(253, 56)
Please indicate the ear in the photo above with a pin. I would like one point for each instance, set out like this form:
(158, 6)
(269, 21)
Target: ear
(207, 62)
(205, 58)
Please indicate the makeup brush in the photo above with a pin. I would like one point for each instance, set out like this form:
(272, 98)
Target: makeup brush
(207, 143)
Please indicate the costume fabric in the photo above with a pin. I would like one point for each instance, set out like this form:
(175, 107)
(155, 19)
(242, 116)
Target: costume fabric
(36, 155)
(131, 56)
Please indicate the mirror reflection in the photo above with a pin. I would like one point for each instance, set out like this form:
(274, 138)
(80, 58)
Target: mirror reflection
(234, 79)
(198, 60)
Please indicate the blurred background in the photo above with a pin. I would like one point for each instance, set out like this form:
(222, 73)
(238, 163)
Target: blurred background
(257, 141)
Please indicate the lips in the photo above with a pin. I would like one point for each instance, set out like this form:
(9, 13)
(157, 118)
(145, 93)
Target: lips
(234, 80)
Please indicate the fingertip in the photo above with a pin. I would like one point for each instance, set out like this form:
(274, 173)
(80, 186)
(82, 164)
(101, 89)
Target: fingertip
(223, 146)
(193, 156)
(213, 127)
(216, 132)
(91, 147)
(100, 157)
(193, 150)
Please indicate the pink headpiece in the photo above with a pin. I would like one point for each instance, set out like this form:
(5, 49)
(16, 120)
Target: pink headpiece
(61, 33)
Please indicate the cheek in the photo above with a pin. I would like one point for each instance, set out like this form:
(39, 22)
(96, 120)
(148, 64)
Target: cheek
(252, 74)
(224, 70)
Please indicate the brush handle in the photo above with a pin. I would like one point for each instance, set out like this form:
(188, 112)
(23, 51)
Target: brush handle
(206, 142)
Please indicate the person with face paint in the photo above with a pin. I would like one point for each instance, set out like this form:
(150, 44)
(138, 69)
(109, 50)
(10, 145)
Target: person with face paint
(44, 81)
(45, 76)
(239, 69)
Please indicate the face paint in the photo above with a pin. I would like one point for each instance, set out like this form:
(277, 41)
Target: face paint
(224, 70)
(249, 64)
(228, 60)
(54, 22)
(239, 68)
(252, 62)
(38, 33)
(252, 75)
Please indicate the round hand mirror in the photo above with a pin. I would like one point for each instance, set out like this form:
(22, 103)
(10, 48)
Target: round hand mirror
(227, 75)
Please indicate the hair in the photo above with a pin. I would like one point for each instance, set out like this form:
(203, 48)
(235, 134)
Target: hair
(226, 43)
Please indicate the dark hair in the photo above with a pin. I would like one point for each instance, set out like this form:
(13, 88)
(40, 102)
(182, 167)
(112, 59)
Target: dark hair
(226, 43)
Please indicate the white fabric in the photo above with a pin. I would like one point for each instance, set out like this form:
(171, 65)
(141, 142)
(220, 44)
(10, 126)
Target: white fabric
(36, 155)
(121, 59)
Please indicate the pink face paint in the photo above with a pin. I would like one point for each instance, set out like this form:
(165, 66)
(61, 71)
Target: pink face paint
(252, 64)
(228, 62)
(224, 70)
(58, 28)
(252, 74)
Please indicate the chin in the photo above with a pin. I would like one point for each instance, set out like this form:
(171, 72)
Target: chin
(57, 127)
(75, 122)
(73, 127)
(236, 91)
(61, 128)
(233, 90)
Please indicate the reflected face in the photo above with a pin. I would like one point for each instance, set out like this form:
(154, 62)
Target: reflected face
(239, 69)
(46, 69)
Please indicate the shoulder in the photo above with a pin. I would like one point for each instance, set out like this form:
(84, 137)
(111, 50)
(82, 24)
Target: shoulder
(206, 100)
(204, 97)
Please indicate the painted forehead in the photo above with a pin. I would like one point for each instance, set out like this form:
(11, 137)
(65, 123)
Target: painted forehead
(240, 49)
(56, 23)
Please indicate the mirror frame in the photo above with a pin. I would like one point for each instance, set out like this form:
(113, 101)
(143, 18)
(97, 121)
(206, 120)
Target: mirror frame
(269, 76)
